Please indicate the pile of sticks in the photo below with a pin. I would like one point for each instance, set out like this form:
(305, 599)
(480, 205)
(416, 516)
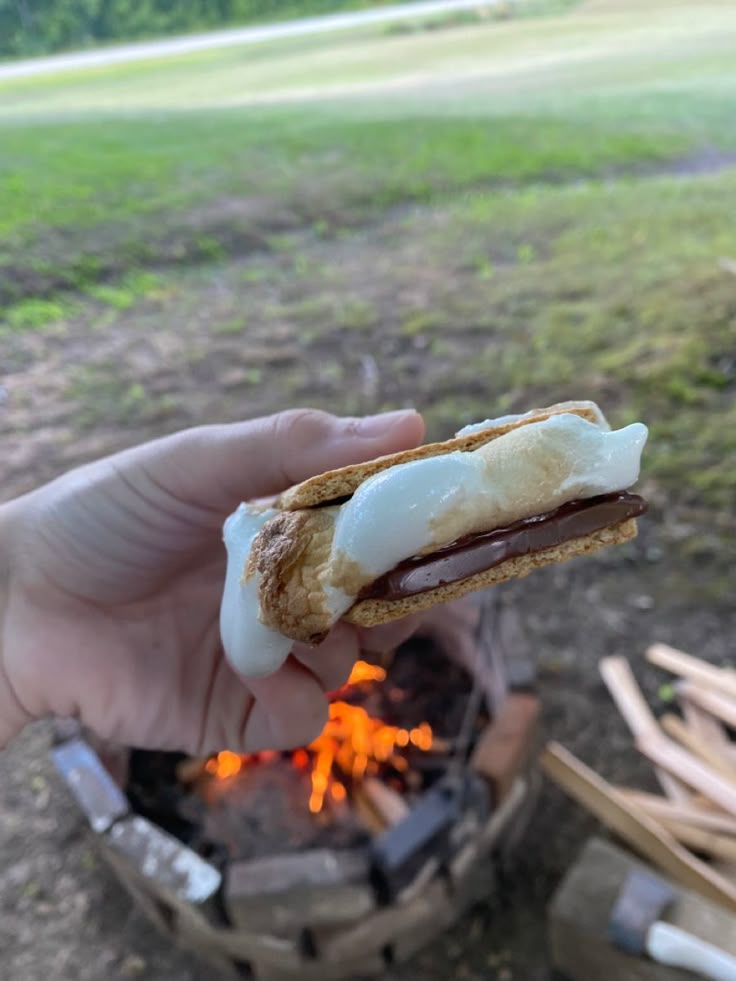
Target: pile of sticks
(689, 831)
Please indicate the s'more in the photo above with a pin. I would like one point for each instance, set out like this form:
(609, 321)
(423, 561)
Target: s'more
(379, 540)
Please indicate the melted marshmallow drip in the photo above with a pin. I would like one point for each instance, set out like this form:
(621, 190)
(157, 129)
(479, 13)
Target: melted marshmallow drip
(251, 647)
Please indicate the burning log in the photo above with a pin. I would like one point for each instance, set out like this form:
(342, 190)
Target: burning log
(190, 769)
(391, 806)
(371, 819)
(352, 747)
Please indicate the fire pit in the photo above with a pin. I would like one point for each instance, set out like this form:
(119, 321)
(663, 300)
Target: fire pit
(347, 855)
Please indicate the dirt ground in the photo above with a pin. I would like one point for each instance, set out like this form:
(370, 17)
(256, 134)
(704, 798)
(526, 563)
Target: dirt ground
(64, 916)
(249, 337)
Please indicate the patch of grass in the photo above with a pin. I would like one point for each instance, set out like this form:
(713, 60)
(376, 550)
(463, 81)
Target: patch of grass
(356, 313)
(33, 314)
(234, 326)
(103, 398)
(254, 274)
(114, 173)
(116, 194)
(549, 261)
(637, 312)
(418, 321)
(122, 294)
(315, 307)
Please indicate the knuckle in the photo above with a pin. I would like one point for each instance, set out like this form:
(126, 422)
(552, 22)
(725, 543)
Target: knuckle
(296, 426)
(293, 430)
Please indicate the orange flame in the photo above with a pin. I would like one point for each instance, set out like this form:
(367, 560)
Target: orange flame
(363, 671)
(225, 764)
(351, 745)
(354, 743)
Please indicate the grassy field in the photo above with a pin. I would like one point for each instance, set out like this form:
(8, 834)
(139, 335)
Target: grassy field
(467, 217)
(568, 177)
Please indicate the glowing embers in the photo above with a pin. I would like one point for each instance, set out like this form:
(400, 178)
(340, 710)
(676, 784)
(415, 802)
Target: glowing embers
(352, 746)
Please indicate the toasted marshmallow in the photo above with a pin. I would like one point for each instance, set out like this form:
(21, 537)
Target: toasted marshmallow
(421, 505)
(476, 427)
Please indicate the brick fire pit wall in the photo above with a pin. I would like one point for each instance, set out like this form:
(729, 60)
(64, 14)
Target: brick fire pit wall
(322, 914)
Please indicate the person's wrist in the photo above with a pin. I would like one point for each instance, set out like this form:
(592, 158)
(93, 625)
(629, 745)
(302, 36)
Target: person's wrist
(13, 716)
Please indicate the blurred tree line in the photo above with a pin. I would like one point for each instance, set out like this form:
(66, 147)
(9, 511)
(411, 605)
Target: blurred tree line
(32, 27)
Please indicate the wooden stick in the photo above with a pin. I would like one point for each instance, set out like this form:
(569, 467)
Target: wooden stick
(619, 679)
(190, 768)
(390, 806)
(634, 826)
(692, 668)
(616, 673)
(718, 846)
(663, 809)
(710, 730)
(366, 810)
(688, 768)
(721, 706)
(676, 728)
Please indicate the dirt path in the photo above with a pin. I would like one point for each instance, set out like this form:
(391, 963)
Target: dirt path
(235, 37)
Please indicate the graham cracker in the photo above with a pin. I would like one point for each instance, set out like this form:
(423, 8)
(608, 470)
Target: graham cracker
(372, 612)
(336, 484)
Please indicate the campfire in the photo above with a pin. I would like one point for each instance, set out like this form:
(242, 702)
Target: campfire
(352, 746)
(342, 856)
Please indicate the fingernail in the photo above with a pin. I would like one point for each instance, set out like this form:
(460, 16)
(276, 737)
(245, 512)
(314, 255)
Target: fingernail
(372, 426)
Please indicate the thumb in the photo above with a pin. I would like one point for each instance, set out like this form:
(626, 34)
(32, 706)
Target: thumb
(219, 466)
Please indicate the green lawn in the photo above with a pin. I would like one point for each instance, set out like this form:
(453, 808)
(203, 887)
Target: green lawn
(117, 156)
(555, 195)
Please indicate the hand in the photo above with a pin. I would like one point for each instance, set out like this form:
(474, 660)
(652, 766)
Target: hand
(111, 579)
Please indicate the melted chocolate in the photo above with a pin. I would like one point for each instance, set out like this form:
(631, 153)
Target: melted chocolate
(476, 553)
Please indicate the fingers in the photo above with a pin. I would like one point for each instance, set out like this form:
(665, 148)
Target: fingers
(388, 636)
(331, 662)
(219, 466)
(290, 709)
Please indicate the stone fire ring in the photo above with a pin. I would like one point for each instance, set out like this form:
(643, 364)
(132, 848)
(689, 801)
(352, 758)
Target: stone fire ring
(323, 914)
